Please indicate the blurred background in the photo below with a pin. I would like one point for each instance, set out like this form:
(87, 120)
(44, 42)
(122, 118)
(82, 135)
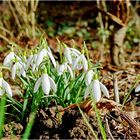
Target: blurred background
(109, 28)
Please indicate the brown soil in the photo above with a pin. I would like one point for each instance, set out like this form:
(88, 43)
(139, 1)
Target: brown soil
(51, 124)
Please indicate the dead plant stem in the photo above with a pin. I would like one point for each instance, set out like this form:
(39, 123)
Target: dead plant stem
(14, 14)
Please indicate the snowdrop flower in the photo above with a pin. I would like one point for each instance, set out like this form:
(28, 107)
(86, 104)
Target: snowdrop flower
(45, 53)
(65, 67)
(89, 77)
(18, 68)
(46, 82)
(137, 89)
(95, 87)
(4, 87)
(80, 62)
(71, 54)
(8, 61)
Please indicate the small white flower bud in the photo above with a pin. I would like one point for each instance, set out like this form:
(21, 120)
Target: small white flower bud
(96, 92)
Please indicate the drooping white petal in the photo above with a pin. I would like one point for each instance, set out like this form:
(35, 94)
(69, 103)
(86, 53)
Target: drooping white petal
(85, 63)
(23, 73)
(52, 84)
(1, 87)
(7, 87)
(40, 57)
(75, 51)
(14, 69)
(37, 85)
(61, 69)
(52, 59)
(49, 50)
(74, 56)
(89, 77)
(70, 71)
(96, 92)
(137, 89)
(8, 59)
(104, 90)
(45, 83)
(75, 64)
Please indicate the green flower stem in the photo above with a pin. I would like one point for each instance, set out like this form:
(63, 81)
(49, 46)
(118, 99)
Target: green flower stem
(2, 114)
(34, 108)
(102, 129)
(29, 125)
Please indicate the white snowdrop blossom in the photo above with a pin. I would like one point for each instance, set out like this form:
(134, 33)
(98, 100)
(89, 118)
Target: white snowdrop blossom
(8, 61)
(80, 62)
(65, 67)
(18, 68)
(45, 53)
(67, 54)
(95, 88)
(71, 54)
(137, 89)
(46, 82)
(4, 87)
(89, 77)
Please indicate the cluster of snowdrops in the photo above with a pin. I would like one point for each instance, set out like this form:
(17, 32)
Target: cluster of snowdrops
(71, 79)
